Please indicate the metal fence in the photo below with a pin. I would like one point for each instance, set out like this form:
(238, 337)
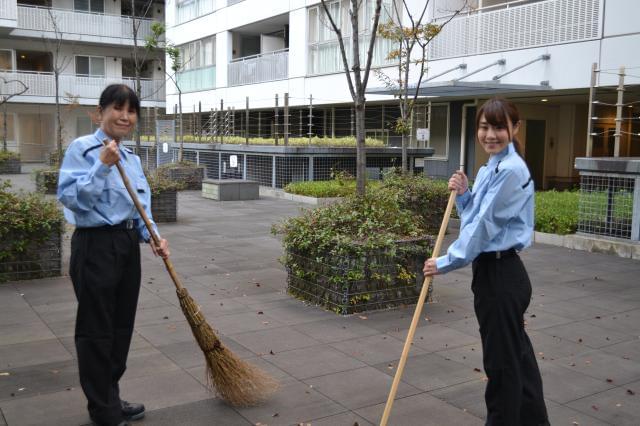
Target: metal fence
(606, 205)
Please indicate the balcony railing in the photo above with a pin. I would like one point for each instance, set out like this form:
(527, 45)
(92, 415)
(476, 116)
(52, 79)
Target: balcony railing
(8, 10)
(72, 22)
(325, 57)
(86, 87)
(196, 80)
(259, 68)
(517, 25)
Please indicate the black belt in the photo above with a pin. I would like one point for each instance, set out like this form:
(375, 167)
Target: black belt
(127, 224)
(492, 255)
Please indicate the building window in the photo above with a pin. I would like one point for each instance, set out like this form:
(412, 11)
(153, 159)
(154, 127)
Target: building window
(439, 130)
(85, 126)
(6, 60)
(324, 48)
(10, 131)
(187, 10)
(90, 66)
(96, 6)
(198, 60)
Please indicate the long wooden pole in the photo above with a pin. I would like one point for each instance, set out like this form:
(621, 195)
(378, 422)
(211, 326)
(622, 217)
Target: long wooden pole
(416, 315)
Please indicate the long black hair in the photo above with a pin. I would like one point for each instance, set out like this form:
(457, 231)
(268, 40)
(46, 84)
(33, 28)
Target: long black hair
(118, 95)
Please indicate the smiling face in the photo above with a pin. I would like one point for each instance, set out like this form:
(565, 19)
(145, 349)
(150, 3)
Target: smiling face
(496, 136)
(117, 121)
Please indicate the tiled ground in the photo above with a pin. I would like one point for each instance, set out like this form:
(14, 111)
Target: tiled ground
(333, 370)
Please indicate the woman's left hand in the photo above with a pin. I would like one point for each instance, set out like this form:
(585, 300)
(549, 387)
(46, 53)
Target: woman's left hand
(430, 267)
(161, 250)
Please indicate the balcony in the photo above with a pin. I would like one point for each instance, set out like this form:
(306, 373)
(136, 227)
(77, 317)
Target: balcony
(84, 26)
(259, 68)
(517, 25)
(8, 13)
(197, 79)
(86, 88)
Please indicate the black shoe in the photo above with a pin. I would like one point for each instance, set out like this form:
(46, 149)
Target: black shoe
(132, 410)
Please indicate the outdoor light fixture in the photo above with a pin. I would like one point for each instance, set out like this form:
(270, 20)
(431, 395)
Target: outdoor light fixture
(23, 56)
(544, 100)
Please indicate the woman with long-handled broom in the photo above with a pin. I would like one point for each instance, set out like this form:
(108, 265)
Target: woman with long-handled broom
(110, 218)
(496, 223)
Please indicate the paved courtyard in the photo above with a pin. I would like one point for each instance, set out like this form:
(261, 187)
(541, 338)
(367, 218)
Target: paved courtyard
(583, 320)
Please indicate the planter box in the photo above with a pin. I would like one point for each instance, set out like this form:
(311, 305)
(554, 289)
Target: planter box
(164, 206)
(349, 284)
(230, 189)
(11, 166)
(47, 181)
(191, 176)
(38, 260)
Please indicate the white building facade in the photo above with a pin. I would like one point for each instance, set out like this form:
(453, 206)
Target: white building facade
(96, 49)
(538, 53)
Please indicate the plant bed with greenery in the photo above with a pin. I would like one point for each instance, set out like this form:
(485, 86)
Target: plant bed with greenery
(30, 236)
(47, 180)
(164, 197)
(556, 212)
(185, 172)
(9, 163)
(362, 254)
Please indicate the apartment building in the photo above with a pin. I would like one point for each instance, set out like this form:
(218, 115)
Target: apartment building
(95, 49)
(539, 53)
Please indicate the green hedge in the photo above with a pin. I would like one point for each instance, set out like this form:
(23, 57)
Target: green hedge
(557, 212)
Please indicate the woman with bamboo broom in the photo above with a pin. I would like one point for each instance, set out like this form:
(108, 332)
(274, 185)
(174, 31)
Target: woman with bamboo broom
(105, 251)
(497, 223)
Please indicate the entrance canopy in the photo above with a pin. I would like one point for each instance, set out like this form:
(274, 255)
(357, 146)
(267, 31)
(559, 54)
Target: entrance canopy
(456, 88)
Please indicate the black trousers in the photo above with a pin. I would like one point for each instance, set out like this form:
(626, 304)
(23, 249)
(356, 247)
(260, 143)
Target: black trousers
(105, 271)
(502, 292)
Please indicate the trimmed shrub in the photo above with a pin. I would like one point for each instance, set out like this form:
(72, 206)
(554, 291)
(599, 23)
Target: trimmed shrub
(556, 212)
(186, 172)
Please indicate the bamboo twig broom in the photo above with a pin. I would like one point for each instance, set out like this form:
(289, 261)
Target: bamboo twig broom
(416, 314)
(234, 380)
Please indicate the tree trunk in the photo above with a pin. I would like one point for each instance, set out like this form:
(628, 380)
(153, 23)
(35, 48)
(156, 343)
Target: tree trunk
(58, 118)
(180, 135)
(405, 142)
(361, 155)
(4, 128)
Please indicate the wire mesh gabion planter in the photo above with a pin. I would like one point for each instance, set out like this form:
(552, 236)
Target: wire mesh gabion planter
(349, 284)
(191, 177)
(164, 206)
(10, 166)
(37, 259)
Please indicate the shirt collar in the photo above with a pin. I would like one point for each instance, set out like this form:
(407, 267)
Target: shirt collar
(495, 158)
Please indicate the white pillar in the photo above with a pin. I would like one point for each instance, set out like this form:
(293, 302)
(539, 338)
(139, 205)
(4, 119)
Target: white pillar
(298, 42)
(223, 56)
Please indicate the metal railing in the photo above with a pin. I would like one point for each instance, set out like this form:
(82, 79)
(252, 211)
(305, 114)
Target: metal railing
(8, 9)
(517, 25)
(196, 80)
(81, 23)
(259, 68)
(43, 84)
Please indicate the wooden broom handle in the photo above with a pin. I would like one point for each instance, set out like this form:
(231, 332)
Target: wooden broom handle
(147, 222)
(416, 316)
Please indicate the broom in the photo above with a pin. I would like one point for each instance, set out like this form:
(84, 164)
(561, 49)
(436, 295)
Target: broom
(416, 316)
(234, 380)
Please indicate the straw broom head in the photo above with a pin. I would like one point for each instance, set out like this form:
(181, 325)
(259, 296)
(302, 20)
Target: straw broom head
(234, 380)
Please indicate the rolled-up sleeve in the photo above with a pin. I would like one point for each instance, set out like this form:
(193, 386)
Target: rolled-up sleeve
(80, 183)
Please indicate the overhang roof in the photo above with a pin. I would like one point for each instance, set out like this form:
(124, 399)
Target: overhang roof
(454, 88)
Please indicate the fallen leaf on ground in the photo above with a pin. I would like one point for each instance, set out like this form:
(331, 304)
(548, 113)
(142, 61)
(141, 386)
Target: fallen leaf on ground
(630, 392)
(477, 370)
(362, 317)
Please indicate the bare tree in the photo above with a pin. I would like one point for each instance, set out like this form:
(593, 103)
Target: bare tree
(357, 78)
(4, 100)
(415, 35)
(59, 64)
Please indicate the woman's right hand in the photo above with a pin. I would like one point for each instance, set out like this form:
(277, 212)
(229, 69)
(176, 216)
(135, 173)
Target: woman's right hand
(110, 154)
(459, 182)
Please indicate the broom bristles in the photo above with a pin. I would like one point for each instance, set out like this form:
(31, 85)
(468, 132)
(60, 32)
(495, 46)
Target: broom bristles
(234, 380)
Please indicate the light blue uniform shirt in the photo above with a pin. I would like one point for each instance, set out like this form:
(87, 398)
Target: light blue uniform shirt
(93, 194)
(497, 214)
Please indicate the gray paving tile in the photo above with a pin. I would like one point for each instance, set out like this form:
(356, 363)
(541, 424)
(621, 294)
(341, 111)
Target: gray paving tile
(201, 413)
(615, 406)
(563, 415)
(422, 409)
(56, 409)
(604, 366)
(548, 347)
(470, 355)
(147, 362)
(344, 419)
(57, 312)
(536, 319)
(243, 322)
(431, 371)
(335, 330)
(314, 361)
(393, 320)
(32, 353)
(562, 384)
(467, 396)
(571, 310)
(358, 388)
(18, 314)
(23, 333)
(468, 325)
(624, 322)
(436, 337)
(626, 350)
(375, 349)
(167, 333)
(587, 334)
(158, 315)
(24, 382)
(274, 340)
(294, 403)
